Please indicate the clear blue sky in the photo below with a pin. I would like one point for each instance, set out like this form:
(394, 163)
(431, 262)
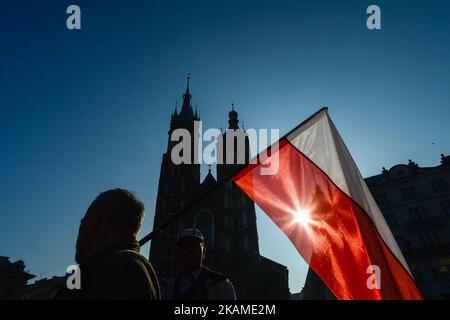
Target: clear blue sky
(85, 111)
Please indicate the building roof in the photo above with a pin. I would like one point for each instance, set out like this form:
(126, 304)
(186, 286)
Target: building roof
(402, 171)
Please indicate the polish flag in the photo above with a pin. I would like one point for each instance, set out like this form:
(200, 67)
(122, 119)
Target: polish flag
(319, 199)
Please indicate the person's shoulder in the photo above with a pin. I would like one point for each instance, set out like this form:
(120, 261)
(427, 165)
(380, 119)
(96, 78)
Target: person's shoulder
(214, 275)
(128, 257)
(127, 262)
(126, 275)
(221, 287)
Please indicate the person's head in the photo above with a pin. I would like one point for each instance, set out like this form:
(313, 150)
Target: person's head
(114, 216)
(190, 249)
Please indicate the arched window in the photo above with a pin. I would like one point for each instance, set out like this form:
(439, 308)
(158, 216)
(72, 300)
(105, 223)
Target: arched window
(204, 221)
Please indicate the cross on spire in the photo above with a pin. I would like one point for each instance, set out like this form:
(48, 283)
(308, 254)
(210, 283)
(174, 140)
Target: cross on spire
(188, 78)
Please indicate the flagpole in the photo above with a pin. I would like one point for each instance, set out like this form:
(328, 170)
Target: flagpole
(219, 184)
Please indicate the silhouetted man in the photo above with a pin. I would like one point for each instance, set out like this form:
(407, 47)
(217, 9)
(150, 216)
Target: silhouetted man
(108, 253)
(194, 281)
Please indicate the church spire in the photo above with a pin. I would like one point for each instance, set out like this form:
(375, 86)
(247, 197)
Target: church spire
(233, 122)
(186, 109)
(187, 85)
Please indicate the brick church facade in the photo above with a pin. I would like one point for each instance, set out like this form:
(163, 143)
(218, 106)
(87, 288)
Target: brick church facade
(226, 218)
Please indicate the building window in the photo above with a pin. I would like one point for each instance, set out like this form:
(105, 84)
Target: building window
(382, 199)
(409, 193)
(439, 185)
(204, 221)
(418, 213)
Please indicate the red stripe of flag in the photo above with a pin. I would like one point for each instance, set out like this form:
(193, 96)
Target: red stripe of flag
(331, 232)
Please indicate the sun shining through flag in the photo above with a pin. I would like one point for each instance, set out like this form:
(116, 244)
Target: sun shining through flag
(319, 199)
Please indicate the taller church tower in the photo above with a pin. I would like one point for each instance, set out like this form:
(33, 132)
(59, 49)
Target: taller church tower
(177, 186)
(226, 217)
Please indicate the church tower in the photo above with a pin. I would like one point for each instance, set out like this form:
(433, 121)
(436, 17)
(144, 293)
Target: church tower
(177, 186)
(239, 209)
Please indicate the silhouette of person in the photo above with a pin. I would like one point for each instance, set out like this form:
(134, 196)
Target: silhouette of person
(108, 254)
(195, 281)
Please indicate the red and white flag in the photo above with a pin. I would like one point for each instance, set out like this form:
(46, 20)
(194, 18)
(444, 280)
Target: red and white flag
(319, 199)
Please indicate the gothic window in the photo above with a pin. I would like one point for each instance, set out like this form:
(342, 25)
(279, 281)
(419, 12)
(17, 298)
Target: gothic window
(204, 221)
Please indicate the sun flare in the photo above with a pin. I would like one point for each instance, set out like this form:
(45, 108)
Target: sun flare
(302, 216)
